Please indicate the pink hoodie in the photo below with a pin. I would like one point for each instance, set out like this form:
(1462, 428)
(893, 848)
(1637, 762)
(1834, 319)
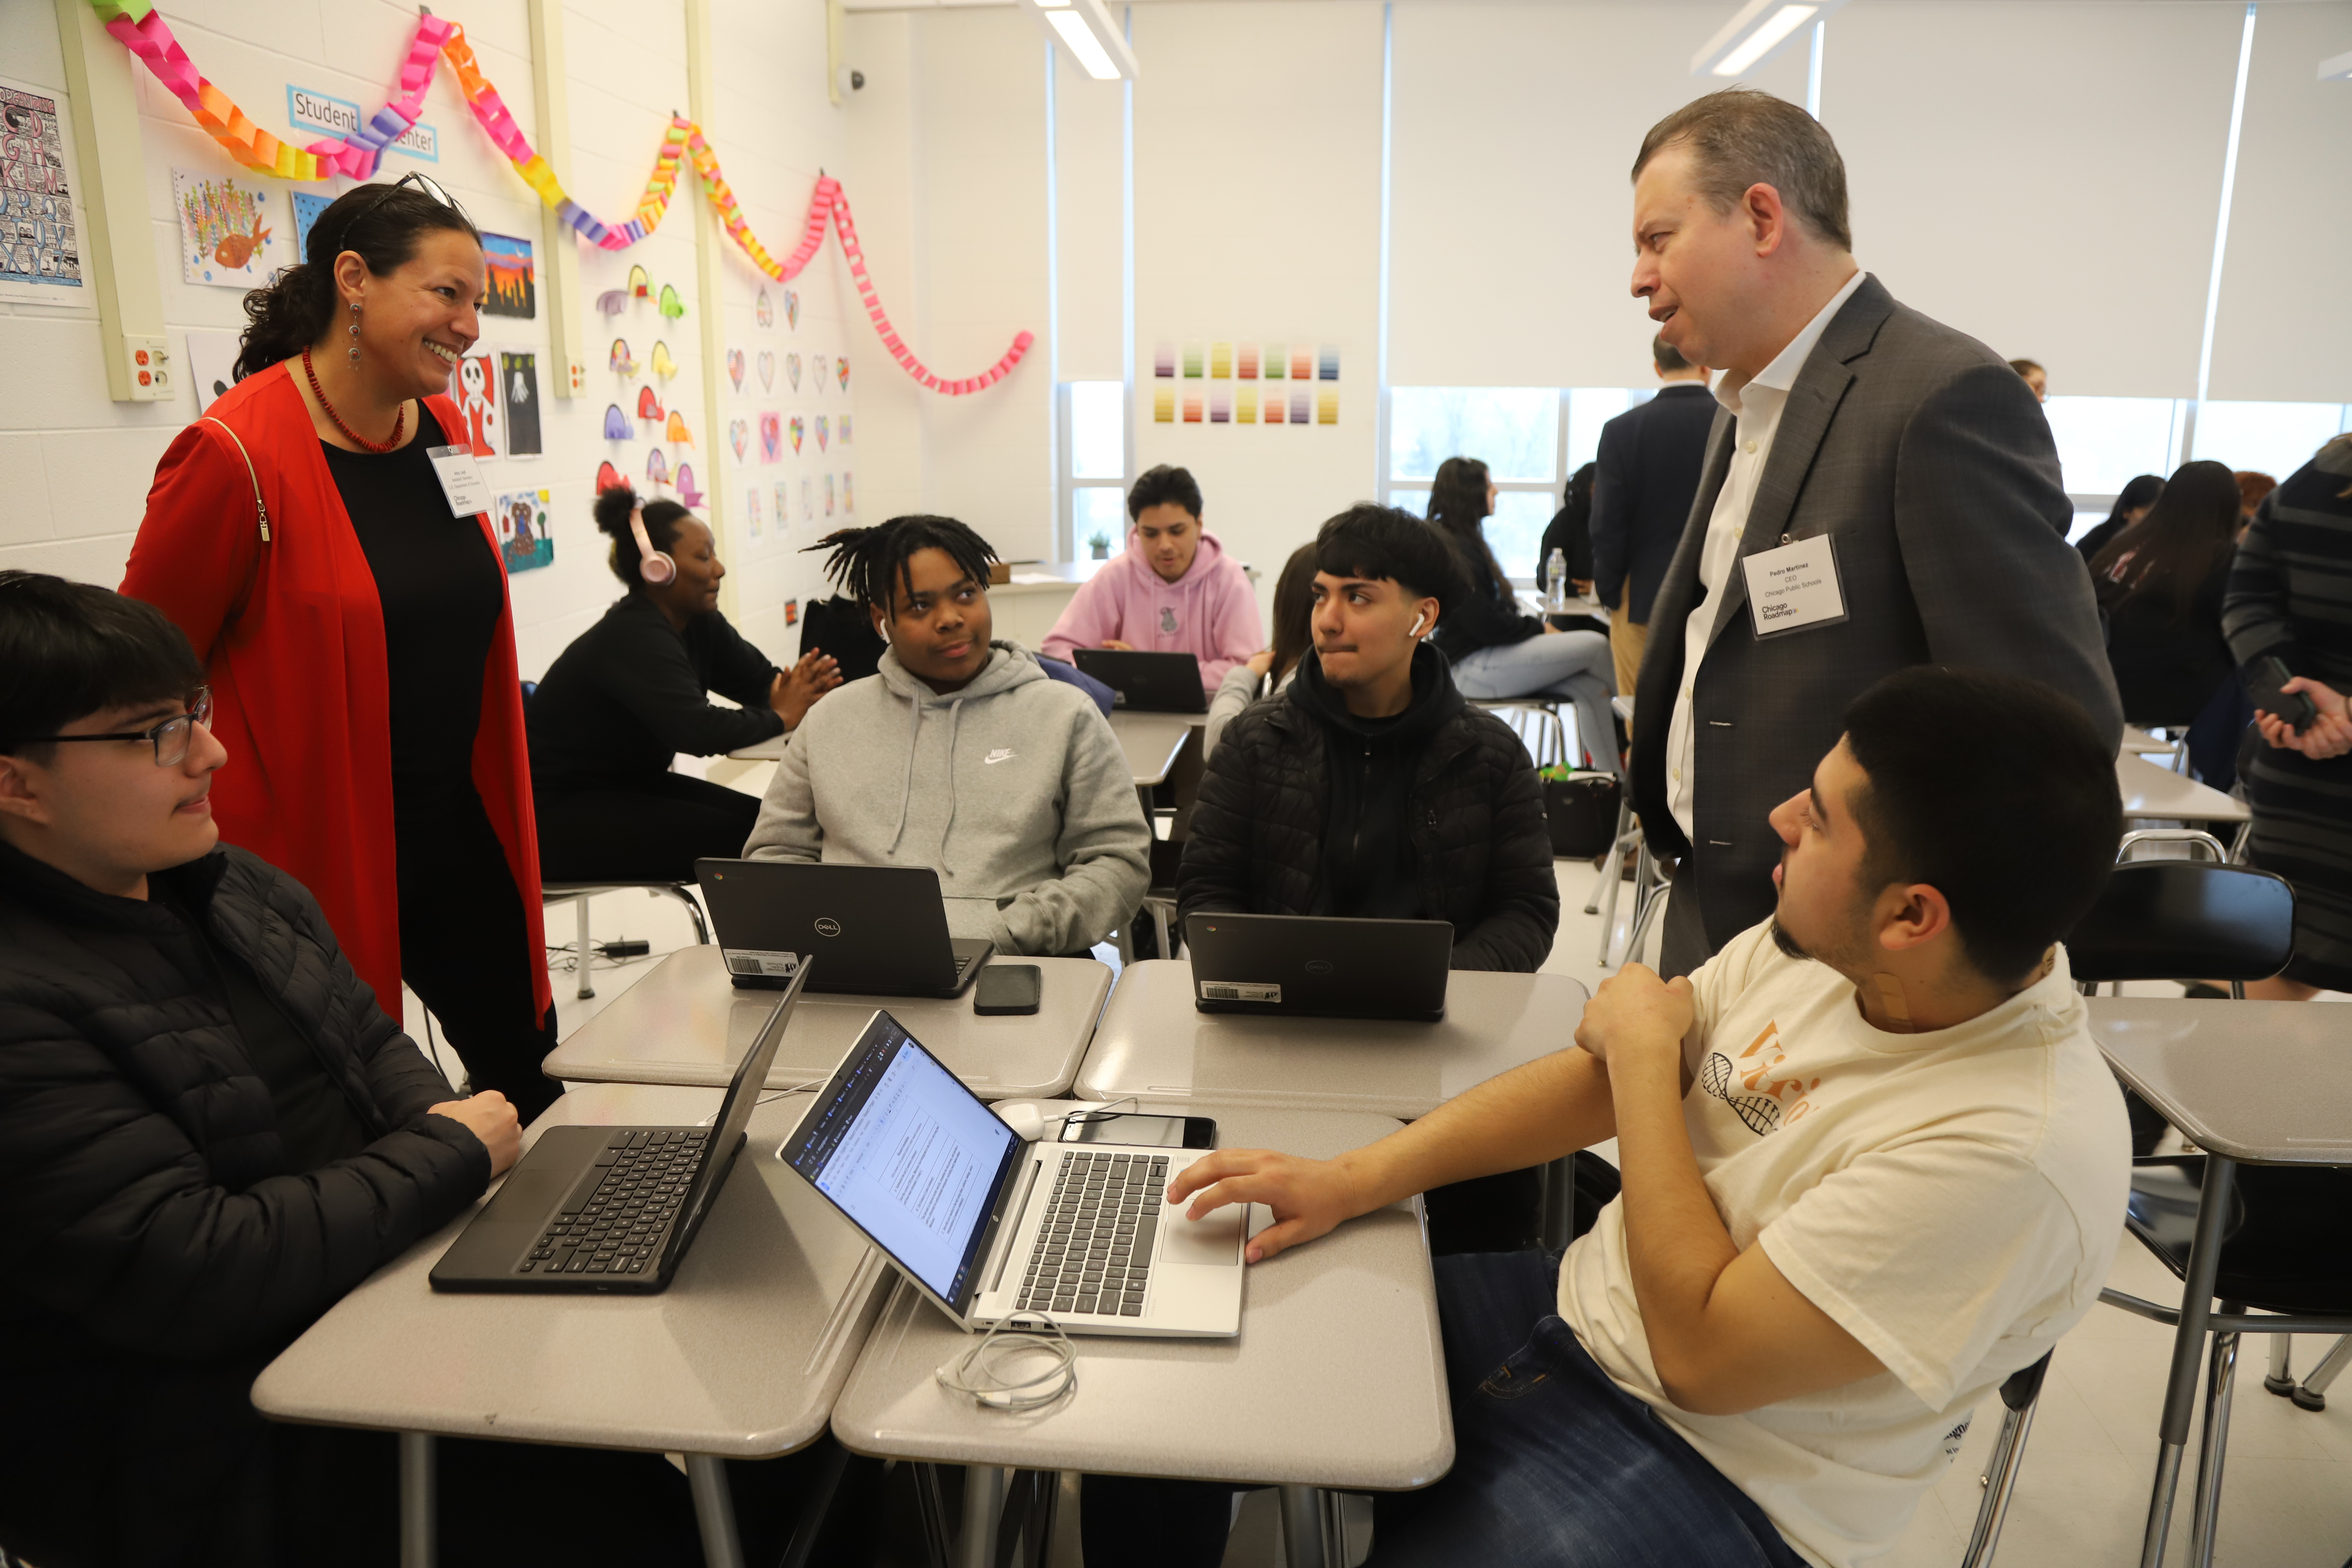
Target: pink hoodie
(1210, 612)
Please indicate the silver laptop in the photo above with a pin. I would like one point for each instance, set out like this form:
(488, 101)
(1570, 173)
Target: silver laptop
(988, 1226)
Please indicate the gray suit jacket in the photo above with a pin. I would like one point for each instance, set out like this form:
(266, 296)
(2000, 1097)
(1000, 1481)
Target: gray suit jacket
(1932, 465)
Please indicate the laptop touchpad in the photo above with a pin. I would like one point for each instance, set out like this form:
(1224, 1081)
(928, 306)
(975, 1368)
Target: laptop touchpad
(1216, 1240)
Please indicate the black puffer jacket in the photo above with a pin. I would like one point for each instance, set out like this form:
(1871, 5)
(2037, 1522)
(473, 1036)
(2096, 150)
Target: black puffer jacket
(1476, 822)
(159, 1248)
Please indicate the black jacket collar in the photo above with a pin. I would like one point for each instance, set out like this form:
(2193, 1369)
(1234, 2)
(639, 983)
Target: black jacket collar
(39, 886)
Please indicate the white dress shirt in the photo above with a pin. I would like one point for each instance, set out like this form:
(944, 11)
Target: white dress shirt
(1756, 406)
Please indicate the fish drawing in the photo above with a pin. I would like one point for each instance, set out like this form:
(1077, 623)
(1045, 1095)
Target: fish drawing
(236, 250)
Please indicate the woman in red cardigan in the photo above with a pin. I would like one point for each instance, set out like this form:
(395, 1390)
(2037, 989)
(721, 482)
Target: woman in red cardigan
(357, 629)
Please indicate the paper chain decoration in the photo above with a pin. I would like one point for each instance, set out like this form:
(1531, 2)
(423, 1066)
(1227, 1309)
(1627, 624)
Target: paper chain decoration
(141, 29)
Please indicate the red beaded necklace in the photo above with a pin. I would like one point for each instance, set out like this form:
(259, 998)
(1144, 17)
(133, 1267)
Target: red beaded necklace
(399, 420)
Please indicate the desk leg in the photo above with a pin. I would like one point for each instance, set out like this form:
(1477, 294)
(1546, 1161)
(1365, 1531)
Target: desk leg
(983, 1508)
(2188, 1351)
(1302, 1527)
(1559, 1201)
(714, 1510)
(420, 1503)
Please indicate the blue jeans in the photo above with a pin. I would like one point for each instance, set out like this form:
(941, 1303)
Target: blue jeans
(1554, 1466)
(1576, 667)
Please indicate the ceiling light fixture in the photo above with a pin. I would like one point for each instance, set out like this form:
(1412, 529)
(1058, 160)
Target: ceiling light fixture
(1760, 29)
(2337, 69)
(1085, 29)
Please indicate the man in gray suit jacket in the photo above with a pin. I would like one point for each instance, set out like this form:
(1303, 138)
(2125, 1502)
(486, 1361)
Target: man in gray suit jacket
(1884, 453)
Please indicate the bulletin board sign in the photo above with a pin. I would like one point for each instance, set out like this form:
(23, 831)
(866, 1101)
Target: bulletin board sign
(40, 224)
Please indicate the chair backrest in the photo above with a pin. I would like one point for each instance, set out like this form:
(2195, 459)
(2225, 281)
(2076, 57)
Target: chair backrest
(2178, 919)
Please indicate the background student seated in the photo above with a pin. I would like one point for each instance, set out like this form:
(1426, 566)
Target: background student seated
(1172, 590)
(1373, 789)
(962, 756)
(1873, 1166)
(1269, 672)
(633, 691)
(1496, 649)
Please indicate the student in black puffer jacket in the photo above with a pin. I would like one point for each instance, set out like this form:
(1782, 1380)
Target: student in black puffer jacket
(1370, 787)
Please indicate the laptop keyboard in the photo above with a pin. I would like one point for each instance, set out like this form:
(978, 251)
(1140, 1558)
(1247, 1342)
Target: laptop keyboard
(620, 1210)
(1093, 1254)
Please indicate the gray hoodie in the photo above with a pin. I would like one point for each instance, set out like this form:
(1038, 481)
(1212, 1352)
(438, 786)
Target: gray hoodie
(1014, 790)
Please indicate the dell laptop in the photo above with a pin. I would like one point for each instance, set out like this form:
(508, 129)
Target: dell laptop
(1319, 966)
(1147, 682)
(883, 929)
(989, 1226)
(611, 1208)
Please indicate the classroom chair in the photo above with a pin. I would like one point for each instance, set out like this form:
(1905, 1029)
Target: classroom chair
(579, 893)
(2182, 919)
(1551, 729)
(2019, 1395)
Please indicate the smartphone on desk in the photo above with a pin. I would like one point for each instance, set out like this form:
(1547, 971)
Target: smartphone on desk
(2295, 707)
(1003, 988)
(1141, 1127)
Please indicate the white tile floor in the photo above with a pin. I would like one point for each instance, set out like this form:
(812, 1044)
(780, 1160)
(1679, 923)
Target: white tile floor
(2288, 1492)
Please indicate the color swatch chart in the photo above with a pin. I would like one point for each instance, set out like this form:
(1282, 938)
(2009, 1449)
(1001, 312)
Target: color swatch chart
(1225, 381)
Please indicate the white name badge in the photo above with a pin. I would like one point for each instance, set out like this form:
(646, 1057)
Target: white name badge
(461, 478)
(1794, 587)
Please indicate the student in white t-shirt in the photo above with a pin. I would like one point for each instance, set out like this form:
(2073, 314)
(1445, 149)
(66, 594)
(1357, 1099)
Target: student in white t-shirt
(1873, 1166)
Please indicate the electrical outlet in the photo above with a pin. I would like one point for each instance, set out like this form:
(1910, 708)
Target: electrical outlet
(150, 369)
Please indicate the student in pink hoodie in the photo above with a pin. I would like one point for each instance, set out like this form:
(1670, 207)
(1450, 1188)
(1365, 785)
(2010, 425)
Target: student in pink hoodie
(1172, 590)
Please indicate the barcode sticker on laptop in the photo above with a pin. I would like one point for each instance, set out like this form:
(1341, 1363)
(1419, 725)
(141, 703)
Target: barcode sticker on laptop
(1234, 991)
(775, 965)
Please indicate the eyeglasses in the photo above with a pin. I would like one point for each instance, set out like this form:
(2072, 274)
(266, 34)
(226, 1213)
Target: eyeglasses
(169, 738)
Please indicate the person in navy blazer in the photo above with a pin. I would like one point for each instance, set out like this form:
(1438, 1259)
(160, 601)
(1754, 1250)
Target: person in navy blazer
(1648, 467)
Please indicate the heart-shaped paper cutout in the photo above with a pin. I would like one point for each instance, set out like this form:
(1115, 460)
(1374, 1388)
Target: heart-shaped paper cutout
(817, 363)
(793, 310)
(844, 429)
(841, 368)
(772, 437)
(824, 438)
(799, 430)
(793, 370)
(767, 370)
(735, 367)
(765, 312)
(739, 436)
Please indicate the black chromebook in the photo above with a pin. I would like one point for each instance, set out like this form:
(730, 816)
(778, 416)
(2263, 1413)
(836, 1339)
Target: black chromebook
(611, 1208)
(1146, 682)
(1319, 966)
(883, 928)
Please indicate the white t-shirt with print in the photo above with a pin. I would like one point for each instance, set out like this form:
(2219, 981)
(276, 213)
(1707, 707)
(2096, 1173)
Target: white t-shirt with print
(1953, 1199)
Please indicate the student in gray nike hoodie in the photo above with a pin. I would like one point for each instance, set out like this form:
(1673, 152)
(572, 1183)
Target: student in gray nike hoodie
(1008, 784)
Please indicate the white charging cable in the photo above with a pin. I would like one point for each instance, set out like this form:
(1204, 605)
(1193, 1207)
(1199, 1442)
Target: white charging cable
(985, 1372)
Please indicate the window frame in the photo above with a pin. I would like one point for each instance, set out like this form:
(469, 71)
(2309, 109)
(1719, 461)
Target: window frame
(1067, 546)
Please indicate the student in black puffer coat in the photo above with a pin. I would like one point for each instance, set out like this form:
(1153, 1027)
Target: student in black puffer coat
(1368, 787)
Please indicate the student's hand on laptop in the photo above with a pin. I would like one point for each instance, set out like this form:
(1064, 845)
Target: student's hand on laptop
(1633, 1014)
(489, 1117)
(1309, 1197)
(1122, 646)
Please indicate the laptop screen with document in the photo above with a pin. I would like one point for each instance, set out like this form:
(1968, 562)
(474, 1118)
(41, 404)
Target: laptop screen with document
(909, 1154)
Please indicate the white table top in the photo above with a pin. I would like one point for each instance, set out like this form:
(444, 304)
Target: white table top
(1151, 1042)
(2160, 792)
(2140, 742)
(1152, 741)
(685, 1024)
(743, 1355)
(2266, 1083)
(1337, 1377)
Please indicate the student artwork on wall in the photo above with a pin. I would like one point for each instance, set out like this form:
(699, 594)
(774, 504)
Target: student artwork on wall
(307, 208)
(764, 311)
(739, 436)
(513, 277)
(212, 365)
(828, 495)
(649, 405)
(228, 231)
(843, 437)
(687, 495)
(664, 366)
(477, 391)
(841, 370)
(735, 366)
(752, 506)
(678, 433)
(808, 499)
(608, 478)
(772, 437)
(848, 503)
(616, 423)
(792, 310)
(622, 361)
(656, 468)
(791, 369)
(824, 436)
(523, 542)
(798, 431)
(784, 512)
(40, 235)
(817, 363)
(767, 370)
(519, 381)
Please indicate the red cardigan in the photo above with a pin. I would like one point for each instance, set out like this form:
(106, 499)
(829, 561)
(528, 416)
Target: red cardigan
(292, 634)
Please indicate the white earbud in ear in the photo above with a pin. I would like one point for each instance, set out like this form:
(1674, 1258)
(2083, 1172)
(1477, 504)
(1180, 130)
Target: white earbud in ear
(1417, 620)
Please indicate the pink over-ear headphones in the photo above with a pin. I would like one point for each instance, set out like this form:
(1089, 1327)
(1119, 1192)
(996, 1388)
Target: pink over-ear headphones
(653, 566)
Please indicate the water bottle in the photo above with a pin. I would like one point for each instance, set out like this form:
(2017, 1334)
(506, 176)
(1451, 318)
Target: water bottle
(1556, 581)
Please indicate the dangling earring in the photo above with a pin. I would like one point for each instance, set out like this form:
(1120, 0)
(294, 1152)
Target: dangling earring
(355, 331)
